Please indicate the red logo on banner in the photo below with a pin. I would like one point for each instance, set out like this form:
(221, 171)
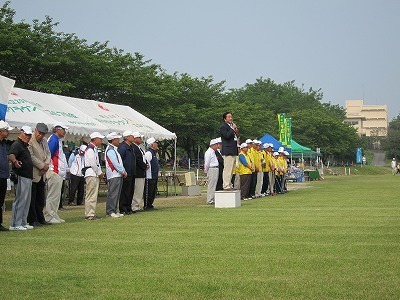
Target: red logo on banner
(14, 93)
(102, 107)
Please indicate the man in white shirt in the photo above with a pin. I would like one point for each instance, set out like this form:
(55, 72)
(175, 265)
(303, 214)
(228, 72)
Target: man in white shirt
(92, 171)
(76, 176)
(211, 170)
(393, 164)
(114, 171)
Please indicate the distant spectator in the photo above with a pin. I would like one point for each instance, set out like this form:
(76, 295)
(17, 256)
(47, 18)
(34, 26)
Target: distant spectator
(151, 174)
(23, 167)
(77, 180)
(4, 167)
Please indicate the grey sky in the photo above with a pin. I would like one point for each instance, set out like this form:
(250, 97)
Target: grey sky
(348, 48)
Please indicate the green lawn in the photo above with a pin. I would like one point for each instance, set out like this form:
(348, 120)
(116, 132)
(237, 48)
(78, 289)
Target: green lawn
(339, 238)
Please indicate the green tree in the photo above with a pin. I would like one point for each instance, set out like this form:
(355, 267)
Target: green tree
(391, 144)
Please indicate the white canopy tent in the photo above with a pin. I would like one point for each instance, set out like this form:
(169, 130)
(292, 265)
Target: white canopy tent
(82, 116)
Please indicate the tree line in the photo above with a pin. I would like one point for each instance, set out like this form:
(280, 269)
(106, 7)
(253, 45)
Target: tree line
(42, 59)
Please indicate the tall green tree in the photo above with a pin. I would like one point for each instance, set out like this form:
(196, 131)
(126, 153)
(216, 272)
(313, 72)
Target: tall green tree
(391, 144)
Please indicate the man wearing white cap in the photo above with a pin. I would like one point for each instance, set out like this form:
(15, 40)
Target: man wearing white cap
(92, 172)
(77, 179)
(22, 165)
(151, 174)
(4, 167)
(125, 149)
(115, 171)
(211, 170)
(40, 155)
(56, 173)
(141, 167)
(268, 169)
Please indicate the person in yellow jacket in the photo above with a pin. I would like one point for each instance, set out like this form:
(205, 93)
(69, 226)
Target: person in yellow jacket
(246, 168)
(268, 167)
(280, 171)
(258, 161)
(285, 157)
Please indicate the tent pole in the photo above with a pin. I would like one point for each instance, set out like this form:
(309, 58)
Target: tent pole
(175, 166)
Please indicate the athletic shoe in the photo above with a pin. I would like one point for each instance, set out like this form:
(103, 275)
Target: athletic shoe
(113, 215)
(17, 228)
(28, 226)
(54, 221)
(120, 215)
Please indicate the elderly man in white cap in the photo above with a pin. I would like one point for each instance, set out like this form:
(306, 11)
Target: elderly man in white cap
(56, 174)
(22, 165)
(77, 185)
(211, 170)
(4, 167)
(115, 171)
(40, 154)
(268, 169)
(128, 157)
(92, 172)
(141, 167)
(151, 174)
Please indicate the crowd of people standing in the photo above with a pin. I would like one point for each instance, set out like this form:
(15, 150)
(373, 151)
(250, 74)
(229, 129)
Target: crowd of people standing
(251, 167)
(41, 167)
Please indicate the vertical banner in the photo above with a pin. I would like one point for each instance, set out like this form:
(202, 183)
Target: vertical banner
(6, 84)
(289, 132)
(282, 129)
(358, 156)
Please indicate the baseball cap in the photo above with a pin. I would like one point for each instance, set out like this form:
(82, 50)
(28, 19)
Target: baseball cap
(249, 141)
(137, 134)
(83, 148)
(151, 141)
(243, 145)
(213, 142)
(112, 135)
(219, 140)
(60, 124)
(127, 133)
(26, 129)
(42, 128)
(96, 135)
(4, 125)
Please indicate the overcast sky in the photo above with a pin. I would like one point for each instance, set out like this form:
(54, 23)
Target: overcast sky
(349, 49)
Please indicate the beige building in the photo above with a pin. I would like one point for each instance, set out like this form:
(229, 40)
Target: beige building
(369, 120)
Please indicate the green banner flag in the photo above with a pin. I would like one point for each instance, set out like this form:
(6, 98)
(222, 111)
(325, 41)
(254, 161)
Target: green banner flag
(282, 128)
(289, 132)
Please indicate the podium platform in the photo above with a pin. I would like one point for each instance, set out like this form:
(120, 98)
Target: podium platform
(227, 199)
(192, 190)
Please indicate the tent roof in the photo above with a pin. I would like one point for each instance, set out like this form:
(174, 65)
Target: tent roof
(82, 116)
(300, 150)
(267, 138)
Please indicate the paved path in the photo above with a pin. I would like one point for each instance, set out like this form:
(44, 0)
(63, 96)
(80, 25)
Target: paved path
(379, 158)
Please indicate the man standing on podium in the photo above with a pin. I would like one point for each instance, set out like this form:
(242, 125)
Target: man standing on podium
(229, 150)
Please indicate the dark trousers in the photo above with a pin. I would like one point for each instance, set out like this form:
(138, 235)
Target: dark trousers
(35, 214)
(279, 184)
(125, 199)
(220, 181)
(150, 190)
(245, 181)
(265, 184)
(77, 184)
(3, 190)
(253, 183)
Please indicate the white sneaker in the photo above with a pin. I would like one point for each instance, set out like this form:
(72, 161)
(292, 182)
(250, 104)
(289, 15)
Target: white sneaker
(61, 220)
(17, 228)
(54, 221)
(120, 215)
(27, 226)
(113, 215)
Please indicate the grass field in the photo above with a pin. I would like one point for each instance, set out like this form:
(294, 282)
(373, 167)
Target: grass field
(336, 239)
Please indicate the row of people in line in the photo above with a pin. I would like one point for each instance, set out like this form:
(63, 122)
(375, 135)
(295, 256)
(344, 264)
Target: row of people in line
(258, 171)
(41, 167)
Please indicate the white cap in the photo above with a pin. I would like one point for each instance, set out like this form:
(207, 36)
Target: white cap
(213, 142)
(276, 153)
(219, 140)
(243, 145)
(137, 134)
(60, 125)
(112, 135)
(266, 145)
(257, 142)
(150, 141)
(281, 149)
(83, 148)
(4, 125)
(96, 135)
(271, 145)
(249, 141)
(286, 153)
(127, 133)
(26, 129)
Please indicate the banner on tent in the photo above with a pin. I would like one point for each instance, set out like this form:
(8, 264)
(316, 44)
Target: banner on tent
(6, 85)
